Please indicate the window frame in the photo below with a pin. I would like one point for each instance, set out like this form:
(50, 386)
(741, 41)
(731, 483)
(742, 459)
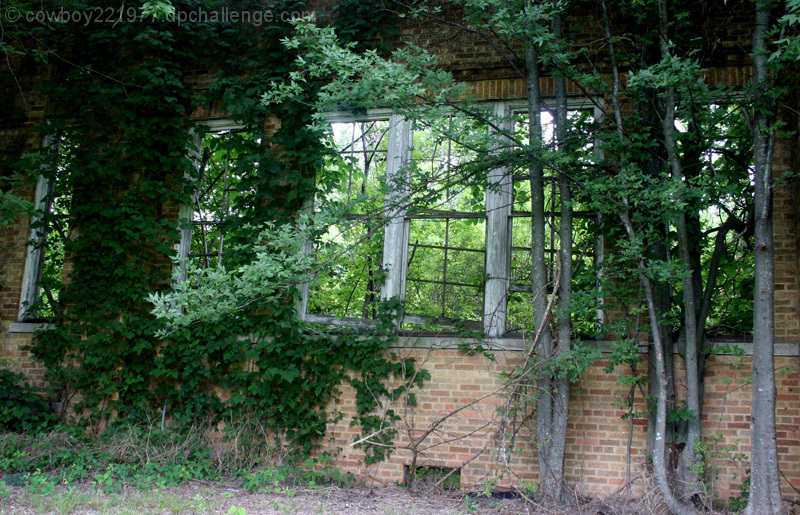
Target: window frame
(396, 241)
(396, 230)
(518, 107)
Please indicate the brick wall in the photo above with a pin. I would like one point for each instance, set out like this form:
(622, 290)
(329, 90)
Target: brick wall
(455, 422)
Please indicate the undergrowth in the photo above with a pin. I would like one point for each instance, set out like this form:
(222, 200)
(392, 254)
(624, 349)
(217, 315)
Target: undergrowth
(21, 408)
(145, 457)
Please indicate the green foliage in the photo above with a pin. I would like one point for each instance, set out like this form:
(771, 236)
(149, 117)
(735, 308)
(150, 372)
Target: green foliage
(312, 472)
(233, 325)
(41, 484)
(572, 363)
(122, 167)
(365, 22)
(711, 449)
(11, 206)
(268, 479)
(680, 413)
(317, 471)
(787, 46)
(146, 458)
(739, 502)
(22, 407)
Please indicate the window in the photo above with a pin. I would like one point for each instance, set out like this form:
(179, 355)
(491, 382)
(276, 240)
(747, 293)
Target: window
(447, 233)
(50, 229)
(432, 221)
(349, 283)
(586, 247)
(408, 217)
(219, 181)
(412, 229)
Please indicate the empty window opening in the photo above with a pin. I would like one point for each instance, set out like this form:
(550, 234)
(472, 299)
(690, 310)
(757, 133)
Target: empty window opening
(217, 186)
(349, 278)
(447, 242)
(50, 231)
(584, 226)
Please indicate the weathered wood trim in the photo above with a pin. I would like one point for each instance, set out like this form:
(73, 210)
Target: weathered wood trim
(34, 259)
(498, 241)
(396, 233)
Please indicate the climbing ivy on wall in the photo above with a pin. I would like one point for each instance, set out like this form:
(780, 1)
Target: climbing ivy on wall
(125, 93)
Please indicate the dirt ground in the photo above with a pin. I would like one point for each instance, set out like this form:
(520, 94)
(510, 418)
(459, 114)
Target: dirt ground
(214, 498)
(200, 497)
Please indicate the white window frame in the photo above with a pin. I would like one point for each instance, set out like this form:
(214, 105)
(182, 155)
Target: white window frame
(396, 241)
(396, 232)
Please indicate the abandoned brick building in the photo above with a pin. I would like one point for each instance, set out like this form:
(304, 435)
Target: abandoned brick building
(454, 422)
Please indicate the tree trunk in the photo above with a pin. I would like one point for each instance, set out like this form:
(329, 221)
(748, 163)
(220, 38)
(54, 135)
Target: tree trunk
(560, 383)
(550, 483)
(652, 166)
(659, 440)
(688, 477)
(765, 493)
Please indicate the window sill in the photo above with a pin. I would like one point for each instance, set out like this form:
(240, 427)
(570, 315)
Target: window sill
(458, 343)
(518, 344)
(28, 327)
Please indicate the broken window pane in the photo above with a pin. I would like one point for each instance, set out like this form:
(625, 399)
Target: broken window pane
(521, 294)
(446, 268)
(220, 174)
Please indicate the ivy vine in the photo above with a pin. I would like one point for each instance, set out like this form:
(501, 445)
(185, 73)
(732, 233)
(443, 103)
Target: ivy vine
(124, 94)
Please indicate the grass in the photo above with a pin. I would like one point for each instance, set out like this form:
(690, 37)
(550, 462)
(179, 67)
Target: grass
(68, 500)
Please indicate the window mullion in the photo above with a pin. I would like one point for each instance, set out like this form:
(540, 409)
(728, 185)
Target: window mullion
(498, 241)
(34, 262)
(304, 288)
(396, 234)
(186, 211)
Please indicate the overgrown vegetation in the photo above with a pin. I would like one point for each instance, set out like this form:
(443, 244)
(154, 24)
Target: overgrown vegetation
(667, 166)
(22, 408)
(122, 165)
(145, 457)
(664, 166)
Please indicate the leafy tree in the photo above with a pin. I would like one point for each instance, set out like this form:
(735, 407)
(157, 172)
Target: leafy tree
(674, 171)
(765, 494)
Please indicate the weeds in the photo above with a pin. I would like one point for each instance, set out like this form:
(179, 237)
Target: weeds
(146, 458)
